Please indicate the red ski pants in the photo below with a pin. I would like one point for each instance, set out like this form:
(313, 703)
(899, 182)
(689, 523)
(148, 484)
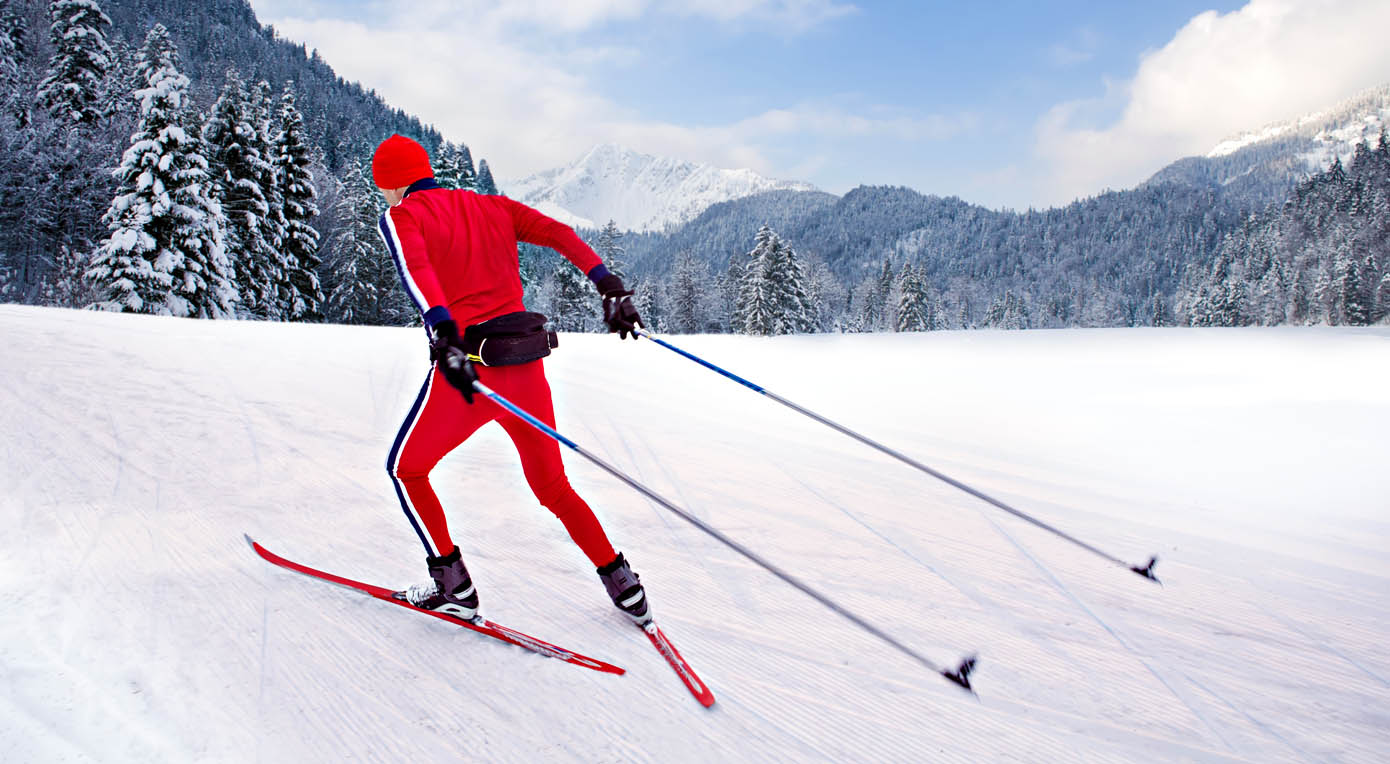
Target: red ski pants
(441, 420)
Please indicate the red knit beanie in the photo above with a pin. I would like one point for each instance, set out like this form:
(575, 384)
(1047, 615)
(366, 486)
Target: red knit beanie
(398, 162)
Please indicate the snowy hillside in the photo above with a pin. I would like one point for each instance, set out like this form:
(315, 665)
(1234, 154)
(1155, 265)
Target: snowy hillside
(639, 191)
(1336, 130)
(136, 625)
(1261, 166)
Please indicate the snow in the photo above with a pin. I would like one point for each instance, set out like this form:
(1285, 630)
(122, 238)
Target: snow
(1334, 132)
(640, 192)
(135, 624)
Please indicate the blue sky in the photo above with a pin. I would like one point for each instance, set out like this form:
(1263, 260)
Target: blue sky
(1006, 104)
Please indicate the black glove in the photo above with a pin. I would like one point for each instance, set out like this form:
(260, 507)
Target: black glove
(447, 349)
(618, 310)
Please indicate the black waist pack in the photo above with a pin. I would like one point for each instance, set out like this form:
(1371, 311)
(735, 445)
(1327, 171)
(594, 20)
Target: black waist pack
(509, 339)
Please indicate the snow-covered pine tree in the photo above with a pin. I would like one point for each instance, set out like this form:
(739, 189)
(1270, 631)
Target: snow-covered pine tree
(73, 90)
(572, 301)
(445, 165)
(914, 310)
(610, 249)
(756, 309)
(685, 295)
(233, 135)
(165, 252)
(1352, 300)
(354, 264)
(873, 298)
(298, 200)
(467, 175)
(1159, 314)
(14, 101)
(265, 107)
(795, 313)
(485, 183)
(650, 304)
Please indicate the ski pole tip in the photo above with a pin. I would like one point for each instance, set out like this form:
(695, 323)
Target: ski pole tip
(1147, 571)
(961, 675)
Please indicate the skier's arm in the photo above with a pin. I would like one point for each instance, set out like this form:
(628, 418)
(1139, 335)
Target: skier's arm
(407, 248)
(533, 227)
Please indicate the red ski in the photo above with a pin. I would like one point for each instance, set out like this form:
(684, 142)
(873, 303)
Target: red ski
(678, 664)
(480, 625)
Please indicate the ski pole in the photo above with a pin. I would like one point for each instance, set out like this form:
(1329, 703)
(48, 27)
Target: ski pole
(961, 675)
(1147, 570)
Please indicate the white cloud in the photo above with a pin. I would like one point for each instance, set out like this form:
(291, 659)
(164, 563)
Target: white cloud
(1220, 74)
(526, 106)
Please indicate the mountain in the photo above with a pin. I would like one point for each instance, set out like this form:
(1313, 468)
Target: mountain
(1259, 167)
(1113, 259)
(639, 191)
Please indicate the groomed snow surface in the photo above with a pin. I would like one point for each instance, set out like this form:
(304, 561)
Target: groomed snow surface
(136, 625)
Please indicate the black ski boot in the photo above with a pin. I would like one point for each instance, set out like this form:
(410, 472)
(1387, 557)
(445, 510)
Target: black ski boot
(452, 591)
(625, 589)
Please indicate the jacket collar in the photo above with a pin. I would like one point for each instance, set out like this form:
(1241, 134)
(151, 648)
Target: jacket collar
(423, 184)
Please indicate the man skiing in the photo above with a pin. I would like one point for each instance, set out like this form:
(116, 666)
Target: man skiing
(457, 256)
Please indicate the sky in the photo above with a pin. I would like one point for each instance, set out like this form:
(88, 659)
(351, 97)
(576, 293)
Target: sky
(1010, 104)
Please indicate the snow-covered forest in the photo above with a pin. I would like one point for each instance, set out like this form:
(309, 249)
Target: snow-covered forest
(192, 164)
(198, 165)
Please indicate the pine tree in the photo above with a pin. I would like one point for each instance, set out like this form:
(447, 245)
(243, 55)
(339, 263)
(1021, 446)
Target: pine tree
(13, 54)
(165, 252)
(914, 310)
(650, 305)
(467, 175)
(233, 134)
(355, 265)
(572, 307)
(485, 184)
(73, 91)
(795, 313)
(1159, 315)
(757, 305)
(610, 249)
(445, 166)
(264, 107)
(688, 285)
(297, 194)
(1353, 303)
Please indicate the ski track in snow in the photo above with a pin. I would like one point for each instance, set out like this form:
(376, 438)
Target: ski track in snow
(136, 459)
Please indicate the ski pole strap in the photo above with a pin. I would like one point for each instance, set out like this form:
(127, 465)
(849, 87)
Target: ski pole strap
(701, 361)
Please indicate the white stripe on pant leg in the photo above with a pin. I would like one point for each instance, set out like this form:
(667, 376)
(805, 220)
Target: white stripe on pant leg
(395, 468)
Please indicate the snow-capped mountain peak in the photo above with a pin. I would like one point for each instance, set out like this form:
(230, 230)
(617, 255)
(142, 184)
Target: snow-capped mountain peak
(640, 192)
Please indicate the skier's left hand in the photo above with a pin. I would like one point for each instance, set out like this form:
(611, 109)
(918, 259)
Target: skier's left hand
(618, 311)
(453, 359)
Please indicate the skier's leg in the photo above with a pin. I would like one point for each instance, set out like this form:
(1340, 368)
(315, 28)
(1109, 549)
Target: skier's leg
(438, 422)
(526, 386)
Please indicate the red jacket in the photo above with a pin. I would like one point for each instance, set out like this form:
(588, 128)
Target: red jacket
(456, 251)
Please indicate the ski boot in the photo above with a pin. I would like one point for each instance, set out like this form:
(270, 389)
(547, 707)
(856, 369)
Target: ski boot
(451, 592)
(626, 591)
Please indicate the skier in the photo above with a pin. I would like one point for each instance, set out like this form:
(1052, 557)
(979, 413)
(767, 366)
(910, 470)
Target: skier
(457, 256)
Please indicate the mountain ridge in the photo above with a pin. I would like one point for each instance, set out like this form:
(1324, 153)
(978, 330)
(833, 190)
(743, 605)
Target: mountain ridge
(640, 192)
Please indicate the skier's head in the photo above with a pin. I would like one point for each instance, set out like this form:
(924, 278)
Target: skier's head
(397, 163)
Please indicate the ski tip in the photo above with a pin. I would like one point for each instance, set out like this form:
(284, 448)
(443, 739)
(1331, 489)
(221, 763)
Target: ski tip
(1147, 571)
(961, 675)
(249, 540)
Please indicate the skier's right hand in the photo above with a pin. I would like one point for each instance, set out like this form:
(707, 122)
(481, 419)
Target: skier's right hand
(452, 358)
